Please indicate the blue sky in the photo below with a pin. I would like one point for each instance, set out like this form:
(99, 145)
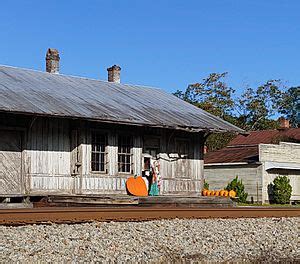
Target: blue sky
(166, 44)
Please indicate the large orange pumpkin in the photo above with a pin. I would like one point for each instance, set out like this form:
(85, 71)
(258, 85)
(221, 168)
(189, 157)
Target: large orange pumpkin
(137, 186)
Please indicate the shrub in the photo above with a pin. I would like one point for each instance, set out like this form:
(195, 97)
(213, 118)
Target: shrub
(238, 186)
(206, 185)
(281, 190)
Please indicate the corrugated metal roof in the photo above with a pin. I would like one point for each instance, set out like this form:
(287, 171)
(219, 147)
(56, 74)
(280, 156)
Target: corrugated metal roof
(266, 137)
(247, 154)
(244, 148)
(42, 93)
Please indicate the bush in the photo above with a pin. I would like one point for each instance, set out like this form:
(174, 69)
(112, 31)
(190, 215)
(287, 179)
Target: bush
(206, 185)
(239, 188)
(281, 190)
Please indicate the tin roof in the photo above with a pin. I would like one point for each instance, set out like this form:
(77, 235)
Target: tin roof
(266, 137)
(41, 93)
(247, 154)
(244, 148)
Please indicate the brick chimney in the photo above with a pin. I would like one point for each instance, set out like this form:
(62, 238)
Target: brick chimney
(52, 61)
(284, 123)
(114, 73)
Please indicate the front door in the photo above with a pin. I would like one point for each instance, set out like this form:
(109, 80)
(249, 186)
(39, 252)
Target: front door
(10, 162)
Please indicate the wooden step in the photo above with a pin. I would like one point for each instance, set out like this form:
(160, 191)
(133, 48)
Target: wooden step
(186, 201)
(126, 200)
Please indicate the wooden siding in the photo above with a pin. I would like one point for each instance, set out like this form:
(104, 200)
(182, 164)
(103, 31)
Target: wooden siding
(11, 181)
(178, 175)
(48, 156)
(57, 158)
(219, 176)
(182, 174)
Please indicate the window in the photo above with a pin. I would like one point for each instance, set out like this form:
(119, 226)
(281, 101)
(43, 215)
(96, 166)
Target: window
(124, 154)
(152, 146)
(99, 143)
(182, 148)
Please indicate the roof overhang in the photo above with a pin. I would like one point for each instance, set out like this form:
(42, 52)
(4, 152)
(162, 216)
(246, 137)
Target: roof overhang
(123, 122)
(282, 165)
(231, 164)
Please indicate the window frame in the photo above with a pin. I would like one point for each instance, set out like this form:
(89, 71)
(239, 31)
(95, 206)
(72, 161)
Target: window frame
(131, 146)
(105, 134)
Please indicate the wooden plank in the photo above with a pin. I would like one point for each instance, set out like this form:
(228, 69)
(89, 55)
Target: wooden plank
(15, 205)
(10, 162)
(74, 149)
(137, 155)
(184, 200)
(94, 200)
(50, 147)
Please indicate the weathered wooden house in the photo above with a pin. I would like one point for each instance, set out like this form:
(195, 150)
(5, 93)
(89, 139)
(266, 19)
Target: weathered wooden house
(70, 135)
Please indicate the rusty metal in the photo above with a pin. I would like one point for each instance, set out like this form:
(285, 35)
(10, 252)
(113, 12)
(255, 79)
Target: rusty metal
(74, 215)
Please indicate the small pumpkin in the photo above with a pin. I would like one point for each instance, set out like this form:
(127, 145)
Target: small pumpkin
(222, 193)
(204, 192)
(226, 193)
(212, 193)
(137, 186)
(232, 193)
(209, 193)
(217, 193)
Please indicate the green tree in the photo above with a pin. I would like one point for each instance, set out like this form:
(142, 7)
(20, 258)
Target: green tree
(257, 106)
(238, 186)
(281, 190)
(290, 105)
(212, 94)
(216, 97)
(255, 109)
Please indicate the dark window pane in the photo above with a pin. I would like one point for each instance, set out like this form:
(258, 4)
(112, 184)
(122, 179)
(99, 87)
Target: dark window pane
(99, 143)
(101, 167)
(124, 153)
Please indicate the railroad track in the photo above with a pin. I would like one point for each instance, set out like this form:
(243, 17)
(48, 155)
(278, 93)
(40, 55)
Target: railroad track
(85, 214)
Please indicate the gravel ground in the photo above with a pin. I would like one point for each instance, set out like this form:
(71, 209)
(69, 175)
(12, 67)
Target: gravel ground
(266, 240)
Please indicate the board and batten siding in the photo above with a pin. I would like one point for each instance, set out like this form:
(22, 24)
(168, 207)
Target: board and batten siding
(182, 175)
(56, 158)
(48, 156)
(11, 171)
(219, 176)
(111, 182)
(179, 175)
